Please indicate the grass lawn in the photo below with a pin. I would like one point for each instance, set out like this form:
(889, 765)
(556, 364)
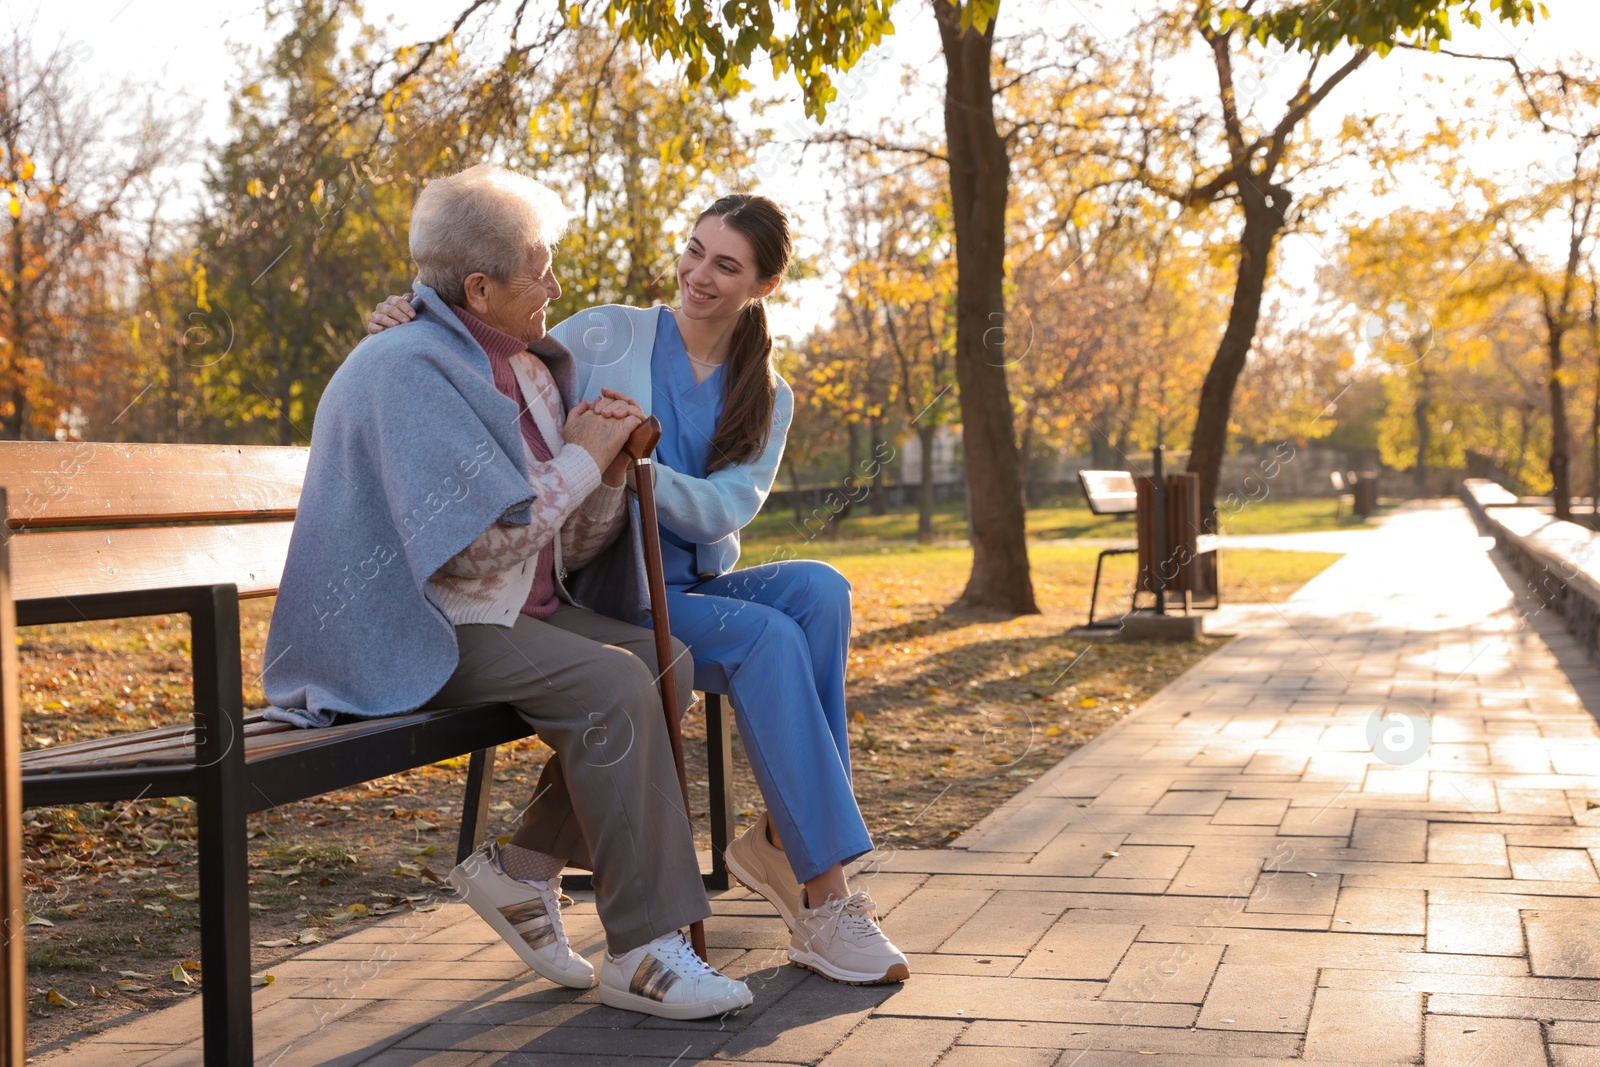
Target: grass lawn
(952, 711)
(1067, 517)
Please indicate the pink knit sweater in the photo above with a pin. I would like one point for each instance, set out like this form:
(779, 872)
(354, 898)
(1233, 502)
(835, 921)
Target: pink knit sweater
(571, 503)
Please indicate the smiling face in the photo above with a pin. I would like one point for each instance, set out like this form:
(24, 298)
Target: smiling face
(717, 275)
(517, 306)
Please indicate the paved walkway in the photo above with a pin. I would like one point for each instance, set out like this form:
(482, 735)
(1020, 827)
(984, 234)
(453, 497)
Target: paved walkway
(1229, 876)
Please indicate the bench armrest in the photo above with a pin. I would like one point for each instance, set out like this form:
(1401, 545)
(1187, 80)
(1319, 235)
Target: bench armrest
(218, 682)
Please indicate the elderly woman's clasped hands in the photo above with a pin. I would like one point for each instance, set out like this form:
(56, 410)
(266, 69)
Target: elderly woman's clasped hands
(601, 427)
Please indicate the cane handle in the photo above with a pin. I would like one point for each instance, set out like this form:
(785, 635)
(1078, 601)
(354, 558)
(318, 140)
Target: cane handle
(642, 442)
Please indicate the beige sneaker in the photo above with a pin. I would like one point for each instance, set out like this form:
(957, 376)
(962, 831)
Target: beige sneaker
(841, 941)
(764, 868)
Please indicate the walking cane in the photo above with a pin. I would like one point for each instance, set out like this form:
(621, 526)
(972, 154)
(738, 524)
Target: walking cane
(639, 447)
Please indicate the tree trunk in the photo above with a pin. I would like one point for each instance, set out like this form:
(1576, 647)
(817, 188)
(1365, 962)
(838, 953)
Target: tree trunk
(841, 504)
(1560, 453)
(925, 434)
(1525, 428)
(1100, 453)
(1264, 215)
(1594, 411)
(794, 483)
(16, 424)
(980, 173)
(1594, 453)
(878, 500)
(1419, 476)
(1024, 455)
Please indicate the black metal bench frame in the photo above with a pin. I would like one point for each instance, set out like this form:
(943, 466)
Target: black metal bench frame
(1099, 507)
(228, 785)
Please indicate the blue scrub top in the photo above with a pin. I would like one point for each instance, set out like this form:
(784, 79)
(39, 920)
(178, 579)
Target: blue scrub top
(688, 414)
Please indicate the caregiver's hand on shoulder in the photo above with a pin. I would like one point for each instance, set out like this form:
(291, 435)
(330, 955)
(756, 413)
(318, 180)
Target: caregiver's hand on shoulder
(395, 311)
(599, 435)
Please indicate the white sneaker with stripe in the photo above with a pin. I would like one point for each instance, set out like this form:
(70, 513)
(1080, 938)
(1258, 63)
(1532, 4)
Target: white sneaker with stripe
(527, 915)
(665, 978)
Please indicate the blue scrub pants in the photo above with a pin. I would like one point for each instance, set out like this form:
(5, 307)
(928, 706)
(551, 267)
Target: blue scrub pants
(775, 639)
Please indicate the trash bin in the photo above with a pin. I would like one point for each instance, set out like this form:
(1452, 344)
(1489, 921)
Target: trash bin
(1366, 493)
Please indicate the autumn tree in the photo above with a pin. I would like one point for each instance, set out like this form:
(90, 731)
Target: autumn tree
(716, 44)
(979, 175)
(1562, 192)
(1417, 281)
(894, 319)
(292, 249)
(71, 166)
(636, 155)
(1246, 156)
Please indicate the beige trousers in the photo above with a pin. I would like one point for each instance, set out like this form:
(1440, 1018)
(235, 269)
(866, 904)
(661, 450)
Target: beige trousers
(608, 799)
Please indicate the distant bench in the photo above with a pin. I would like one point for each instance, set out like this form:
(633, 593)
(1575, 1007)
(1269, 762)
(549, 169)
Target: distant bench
(1190, 568)
(106, 531)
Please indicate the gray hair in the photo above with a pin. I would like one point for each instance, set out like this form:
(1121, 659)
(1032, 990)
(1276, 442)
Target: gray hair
(485, 218)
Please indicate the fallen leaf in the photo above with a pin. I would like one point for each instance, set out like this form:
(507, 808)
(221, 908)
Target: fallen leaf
(354, 911)
(51, 996)
(181, 975)
(129, 986)
(427, 850)
(36, 920)
(282, 942)
(261, 981)
(309, 936)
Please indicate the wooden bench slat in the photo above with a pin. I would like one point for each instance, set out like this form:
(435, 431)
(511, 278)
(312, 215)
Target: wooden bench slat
(79, 562)
(1109, 492)
(94, 483)
(264, 739)
(163, 745)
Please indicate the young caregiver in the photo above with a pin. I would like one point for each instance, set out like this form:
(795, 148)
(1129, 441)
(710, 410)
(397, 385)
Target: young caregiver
(774, 637)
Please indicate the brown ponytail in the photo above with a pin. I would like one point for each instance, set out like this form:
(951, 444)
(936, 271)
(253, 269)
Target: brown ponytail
(750, 386)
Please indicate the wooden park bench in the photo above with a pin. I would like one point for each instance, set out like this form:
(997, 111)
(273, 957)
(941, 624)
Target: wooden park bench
(110, 531)
(1191, 567)
(1341, 489)
(1108, 493)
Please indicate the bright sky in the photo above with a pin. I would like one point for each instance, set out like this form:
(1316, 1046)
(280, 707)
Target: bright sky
(187, 49)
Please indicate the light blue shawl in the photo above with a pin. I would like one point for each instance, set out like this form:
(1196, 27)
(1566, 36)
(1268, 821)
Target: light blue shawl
(414, 454)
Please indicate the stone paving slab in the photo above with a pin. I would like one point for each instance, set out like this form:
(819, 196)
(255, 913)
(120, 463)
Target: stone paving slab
(1232, 875)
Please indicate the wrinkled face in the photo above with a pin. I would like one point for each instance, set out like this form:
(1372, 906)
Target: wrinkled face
(717, 274)
(517, 306)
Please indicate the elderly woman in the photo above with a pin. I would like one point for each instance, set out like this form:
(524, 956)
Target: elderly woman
(452, 482)
(775, 637)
